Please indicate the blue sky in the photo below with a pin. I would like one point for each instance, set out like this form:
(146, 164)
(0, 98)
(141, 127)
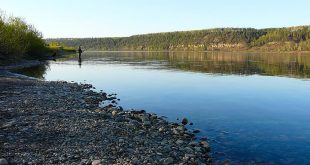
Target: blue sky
(113, 18)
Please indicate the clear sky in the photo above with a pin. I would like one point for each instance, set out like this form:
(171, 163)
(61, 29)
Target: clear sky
(113, 18)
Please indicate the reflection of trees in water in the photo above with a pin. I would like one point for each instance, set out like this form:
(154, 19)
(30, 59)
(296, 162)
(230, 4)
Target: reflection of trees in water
(293, 65)
(37, 72)
(285, 64)
(245, 63)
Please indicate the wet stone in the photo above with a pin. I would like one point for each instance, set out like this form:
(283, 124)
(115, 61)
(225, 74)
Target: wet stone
(96, 162)
(184, 121)
(167, 161)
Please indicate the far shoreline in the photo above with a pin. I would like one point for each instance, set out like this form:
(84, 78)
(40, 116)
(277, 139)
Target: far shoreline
(207, 51)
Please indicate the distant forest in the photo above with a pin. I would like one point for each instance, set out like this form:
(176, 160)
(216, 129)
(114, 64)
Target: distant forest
(272, 39)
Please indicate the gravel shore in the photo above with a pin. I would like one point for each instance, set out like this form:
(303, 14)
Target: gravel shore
(23, 64)
(57, 122)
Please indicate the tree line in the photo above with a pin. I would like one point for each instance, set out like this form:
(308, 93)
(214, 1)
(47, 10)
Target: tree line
(19, 40)
(280, 39)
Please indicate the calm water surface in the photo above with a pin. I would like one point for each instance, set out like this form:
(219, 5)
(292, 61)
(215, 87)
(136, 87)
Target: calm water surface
(254, 108)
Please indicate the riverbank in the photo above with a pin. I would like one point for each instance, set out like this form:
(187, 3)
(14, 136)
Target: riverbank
(61, 123)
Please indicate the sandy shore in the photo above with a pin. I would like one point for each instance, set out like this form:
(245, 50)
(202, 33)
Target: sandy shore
(45, 122)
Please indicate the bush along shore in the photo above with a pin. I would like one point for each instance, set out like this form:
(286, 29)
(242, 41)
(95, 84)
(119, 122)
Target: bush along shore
(59, 122)
(20, 41)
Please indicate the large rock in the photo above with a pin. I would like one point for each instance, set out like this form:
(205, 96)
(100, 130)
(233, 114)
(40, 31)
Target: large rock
(180, 128)
(96, 162)
(114, 113)
(179, 142)
(168, 161)
(146, 123)
(184, 121)
(205, 145)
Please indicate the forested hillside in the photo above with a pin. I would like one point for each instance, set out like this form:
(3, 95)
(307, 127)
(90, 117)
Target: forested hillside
(277, 39)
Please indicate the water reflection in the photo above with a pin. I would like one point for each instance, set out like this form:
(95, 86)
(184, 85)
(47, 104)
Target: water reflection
(80, 61)
(272, 64)
(37, 72)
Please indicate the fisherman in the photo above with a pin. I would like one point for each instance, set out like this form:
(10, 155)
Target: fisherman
(80, 51)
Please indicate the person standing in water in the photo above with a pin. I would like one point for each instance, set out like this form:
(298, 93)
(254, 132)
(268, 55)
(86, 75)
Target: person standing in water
(80, 52)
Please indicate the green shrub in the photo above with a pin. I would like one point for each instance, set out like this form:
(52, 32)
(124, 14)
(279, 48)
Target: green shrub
(19, 40)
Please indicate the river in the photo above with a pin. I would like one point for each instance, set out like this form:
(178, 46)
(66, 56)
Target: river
(252, 107)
